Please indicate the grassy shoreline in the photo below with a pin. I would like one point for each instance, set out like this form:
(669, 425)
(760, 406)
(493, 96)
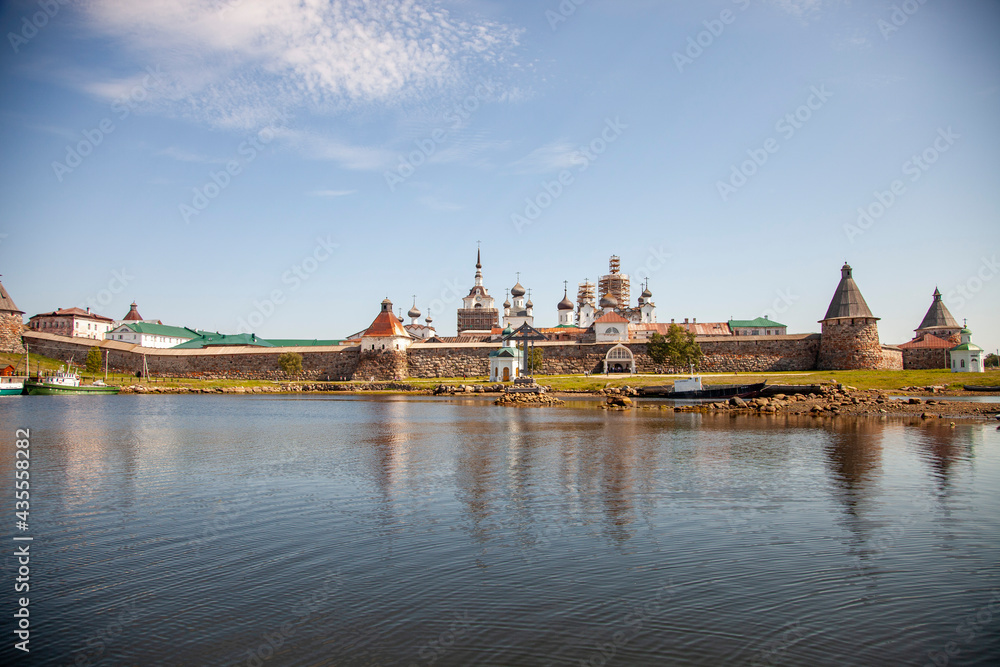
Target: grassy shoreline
(865, 379)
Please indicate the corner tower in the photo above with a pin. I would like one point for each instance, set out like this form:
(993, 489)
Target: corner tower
(939, 321)
(11, 324)
(850, 331)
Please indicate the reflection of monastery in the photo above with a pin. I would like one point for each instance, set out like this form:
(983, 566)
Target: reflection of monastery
(603, 331)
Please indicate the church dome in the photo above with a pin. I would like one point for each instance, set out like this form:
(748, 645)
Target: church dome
(529, 304)
(565, 304)
(414, 312)
(609, 301)
(517, 290)
(429, 319)
(506, 304)
(646, 293)
(508, 331)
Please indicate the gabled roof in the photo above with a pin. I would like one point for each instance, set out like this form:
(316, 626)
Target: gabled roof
(206, 339)
(938, 315)
(847, 300)
(610, 317)
(158, 330)
(927, 341)
(7, 303)
(760, 323)
(74, 312)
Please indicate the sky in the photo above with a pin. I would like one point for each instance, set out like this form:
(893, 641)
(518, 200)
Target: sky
(281, 166)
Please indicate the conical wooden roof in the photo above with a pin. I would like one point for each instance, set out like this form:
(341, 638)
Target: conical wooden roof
(847, 300)
(6, 303)
(938, 315)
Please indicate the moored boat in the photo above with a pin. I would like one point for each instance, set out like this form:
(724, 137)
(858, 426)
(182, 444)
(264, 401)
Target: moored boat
(64, 382)
(692, 389)
(989, 390)
(11, 385)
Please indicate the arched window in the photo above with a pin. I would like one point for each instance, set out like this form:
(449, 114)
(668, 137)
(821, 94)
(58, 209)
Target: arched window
(963, 363)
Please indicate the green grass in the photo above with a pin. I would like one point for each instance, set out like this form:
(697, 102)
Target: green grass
(858, 379)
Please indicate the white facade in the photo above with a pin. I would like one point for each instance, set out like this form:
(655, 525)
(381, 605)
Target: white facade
(611, 328)
(967, 357)
(505, 363)
(161, 337)
(586, 315)
(72, 322)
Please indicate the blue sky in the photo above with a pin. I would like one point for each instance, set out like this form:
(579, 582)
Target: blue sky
(286, 165)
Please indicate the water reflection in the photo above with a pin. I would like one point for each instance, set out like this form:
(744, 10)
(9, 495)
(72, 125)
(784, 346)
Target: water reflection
(544, 528)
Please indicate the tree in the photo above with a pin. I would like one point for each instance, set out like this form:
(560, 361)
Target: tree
(678, 348)
(992, 360)
(93, 363)
(291, 363)
(535, 360)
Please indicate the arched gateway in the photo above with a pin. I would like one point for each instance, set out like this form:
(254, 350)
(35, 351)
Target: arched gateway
(619, 359)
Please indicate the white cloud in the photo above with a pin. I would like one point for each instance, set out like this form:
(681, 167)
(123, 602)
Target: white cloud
(234, 63)
(332, 193)
(554, 156)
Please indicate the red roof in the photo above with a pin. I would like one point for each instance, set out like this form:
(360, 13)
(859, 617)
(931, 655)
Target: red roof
(697, 328)
(927, 341)
(74, 312)
(133, 314)
(386, 324)
(610, 317)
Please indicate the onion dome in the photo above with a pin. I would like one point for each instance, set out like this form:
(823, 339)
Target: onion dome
(609, 301)
(506, 304)
(565, 304)
(529, 304)
(429, 319)
(508, 331)
(646, 293)
(517, 290)
(414, 312)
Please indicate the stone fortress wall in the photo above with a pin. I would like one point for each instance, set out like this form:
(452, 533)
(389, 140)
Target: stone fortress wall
(422, 360)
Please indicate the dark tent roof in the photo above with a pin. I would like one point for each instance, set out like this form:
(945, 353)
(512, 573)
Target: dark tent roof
(938, 315)
(7, 303)
(847, 300)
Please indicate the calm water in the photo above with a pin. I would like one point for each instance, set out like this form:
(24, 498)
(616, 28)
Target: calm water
(200, 530)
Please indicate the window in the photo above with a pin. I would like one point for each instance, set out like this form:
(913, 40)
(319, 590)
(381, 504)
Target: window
(963, 363)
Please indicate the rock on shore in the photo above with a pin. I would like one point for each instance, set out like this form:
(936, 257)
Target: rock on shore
(528, 400)
(842, 401)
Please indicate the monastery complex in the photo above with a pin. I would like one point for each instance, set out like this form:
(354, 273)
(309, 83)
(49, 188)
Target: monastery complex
(602, 331)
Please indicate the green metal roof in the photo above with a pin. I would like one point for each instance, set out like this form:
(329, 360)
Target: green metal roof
(301, 342)
(760, 322)
(506, 352)
(208, 339)
(972, 347)
(161, 330)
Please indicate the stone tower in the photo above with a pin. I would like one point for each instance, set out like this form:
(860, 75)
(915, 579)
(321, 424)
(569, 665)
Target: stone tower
(11, 324)
(939, 321)
(850, 331)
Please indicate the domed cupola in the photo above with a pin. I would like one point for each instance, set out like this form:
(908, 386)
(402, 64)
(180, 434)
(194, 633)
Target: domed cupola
(609, 301)
(414, 312)
(565, 304)
(517, 290)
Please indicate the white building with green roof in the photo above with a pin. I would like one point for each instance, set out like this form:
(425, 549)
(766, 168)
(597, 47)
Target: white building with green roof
(761, 326)
(967, 357)
(146, 334)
